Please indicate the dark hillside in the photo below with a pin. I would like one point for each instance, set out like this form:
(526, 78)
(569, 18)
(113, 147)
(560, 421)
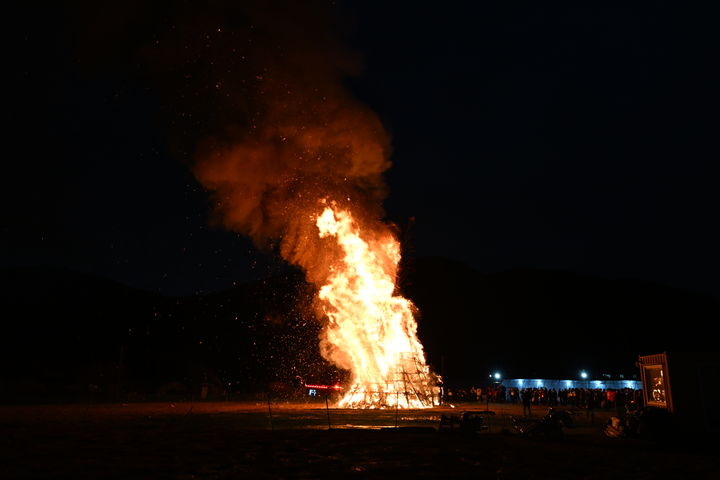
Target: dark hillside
(539, 323)
(69, 336)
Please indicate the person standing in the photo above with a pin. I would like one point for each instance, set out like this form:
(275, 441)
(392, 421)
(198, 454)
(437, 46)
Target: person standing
(590, 408)
(526, 401)
(620, 403)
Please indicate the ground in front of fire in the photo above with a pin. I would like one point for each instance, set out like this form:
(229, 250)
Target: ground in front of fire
(281, 440)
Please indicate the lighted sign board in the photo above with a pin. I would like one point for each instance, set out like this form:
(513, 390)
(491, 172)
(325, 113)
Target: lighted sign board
(655, 385)
(657, 391)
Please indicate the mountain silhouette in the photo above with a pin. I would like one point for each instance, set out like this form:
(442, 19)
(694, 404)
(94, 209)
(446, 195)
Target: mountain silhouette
(69, 336)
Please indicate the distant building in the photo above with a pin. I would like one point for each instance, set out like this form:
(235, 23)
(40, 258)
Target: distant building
(552, 384)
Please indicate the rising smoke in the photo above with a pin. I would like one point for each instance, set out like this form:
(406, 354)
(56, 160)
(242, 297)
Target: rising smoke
(256, 93)
(299, 137)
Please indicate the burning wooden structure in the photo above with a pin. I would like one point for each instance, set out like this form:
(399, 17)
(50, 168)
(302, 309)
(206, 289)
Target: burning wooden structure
(411, 385)
(371, 330)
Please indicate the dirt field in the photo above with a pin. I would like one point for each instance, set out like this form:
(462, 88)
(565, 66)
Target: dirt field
(228, 440)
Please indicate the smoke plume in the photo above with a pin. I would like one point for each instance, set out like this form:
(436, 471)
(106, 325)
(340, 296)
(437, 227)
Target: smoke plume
(299, 137)
(303, 171)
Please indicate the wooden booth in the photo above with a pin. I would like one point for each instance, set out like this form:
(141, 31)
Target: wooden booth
(687, 384)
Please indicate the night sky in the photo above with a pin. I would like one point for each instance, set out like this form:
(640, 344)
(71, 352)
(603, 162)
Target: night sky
(572, 137)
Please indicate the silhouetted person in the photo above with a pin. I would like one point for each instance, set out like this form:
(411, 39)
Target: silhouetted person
(590, 408)
(620, 403)
(526, 401)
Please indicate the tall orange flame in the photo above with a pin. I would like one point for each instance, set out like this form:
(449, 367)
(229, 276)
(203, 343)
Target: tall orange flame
(371, 331)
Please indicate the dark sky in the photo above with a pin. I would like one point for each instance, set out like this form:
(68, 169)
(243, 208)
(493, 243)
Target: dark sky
(573, 137)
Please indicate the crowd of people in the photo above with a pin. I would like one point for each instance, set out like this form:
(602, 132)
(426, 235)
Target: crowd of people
(575, 397)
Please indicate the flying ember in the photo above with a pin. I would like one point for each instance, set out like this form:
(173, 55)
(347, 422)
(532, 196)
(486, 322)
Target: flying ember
(371, 331)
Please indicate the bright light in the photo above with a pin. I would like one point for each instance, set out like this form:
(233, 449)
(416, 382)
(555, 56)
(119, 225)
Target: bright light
(583, 374)
(497, 376)
(369, 329)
